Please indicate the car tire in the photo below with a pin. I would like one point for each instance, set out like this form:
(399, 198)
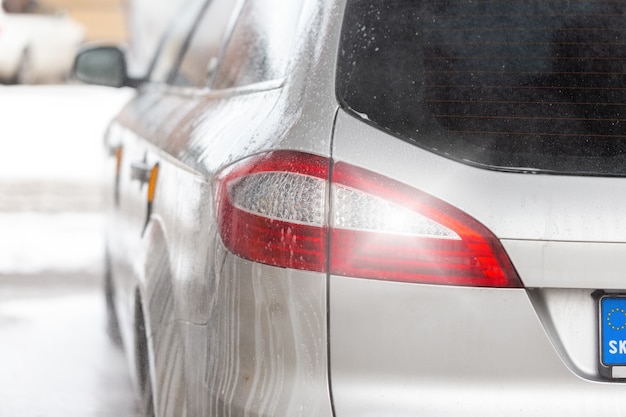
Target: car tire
(144, 377)
(112, 323)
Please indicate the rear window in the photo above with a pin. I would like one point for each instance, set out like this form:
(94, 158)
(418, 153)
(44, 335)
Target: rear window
(519, 85)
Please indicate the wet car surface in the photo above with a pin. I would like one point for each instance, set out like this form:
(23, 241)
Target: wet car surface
(352, 208)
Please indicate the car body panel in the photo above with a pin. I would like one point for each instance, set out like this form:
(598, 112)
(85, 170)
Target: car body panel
(557, 264)
(569, 317)
(229, 336)
(567, 249)
(549, 206)
(406, 350)
(264, 350)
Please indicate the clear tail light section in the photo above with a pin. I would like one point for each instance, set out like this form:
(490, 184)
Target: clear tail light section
(297, 210)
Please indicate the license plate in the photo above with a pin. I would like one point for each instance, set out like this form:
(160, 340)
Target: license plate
(613, 331)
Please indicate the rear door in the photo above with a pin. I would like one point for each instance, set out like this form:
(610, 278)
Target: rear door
(133, 161)
(511, 112)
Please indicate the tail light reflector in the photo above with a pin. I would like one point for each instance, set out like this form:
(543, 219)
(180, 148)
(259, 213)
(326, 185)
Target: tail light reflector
(273, 209)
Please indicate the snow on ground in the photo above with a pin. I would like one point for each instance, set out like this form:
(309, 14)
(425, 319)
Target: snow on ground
(51, 154)
(40, 243)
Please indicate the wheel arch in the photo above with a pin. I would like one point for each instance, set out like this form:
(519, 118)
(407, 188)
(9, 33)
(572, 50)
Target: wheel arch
(155, 302)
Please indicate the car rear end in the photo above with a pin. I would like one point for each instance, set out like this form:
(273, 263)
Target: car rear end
(477, 242)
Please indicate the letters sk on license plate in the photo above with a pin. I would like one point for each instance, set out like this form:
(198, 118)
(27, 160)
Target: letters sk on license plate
(613, 331)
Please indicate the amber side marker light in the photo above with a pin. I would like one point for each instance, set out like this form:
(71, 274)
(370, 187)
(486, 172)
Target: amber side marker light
(273, 210)
(152, 181)
(119, 153)
(118, 159)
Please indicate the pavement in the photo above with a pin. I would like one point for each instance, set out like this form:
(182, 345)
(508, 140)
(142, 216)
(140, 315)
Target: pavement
(55, 356)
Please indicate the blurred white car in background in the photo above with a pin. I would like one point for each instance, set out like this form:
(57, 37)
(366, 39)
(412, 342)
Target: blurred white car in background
(37, 48)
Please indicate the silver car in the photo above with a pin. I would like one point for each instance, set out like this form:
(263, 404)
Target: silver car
(373, 208)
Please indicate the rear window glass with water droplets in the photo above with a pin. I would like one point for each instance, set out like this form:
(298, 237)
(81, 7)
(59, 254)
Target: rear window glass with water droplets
(521, 85)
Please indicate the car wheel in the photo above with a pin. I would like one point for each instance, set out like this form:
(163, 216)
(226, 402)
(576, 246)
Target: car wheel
(143, 364)
(25, 71)
(113, 327)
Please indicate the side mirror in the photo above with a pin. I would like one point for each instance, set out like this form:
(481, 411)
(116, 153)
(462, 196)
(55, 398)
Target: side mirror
(102, 65)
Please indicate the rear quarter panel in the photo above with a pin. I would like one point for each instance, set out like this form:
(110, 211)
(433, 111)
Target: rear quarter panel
(229, 337)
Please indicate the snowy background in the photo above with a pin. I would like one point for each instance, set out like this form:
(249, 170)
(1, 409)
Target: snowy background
(51, 176)
(52, 312)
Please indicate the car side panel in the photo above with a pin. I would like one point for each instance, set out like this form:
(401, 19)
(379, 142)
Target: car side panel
(253, 338)
(125, 221)
(228, 336)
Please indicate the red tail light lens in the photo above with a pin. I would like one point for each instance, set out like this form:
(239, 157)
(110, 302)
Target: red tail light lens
(273, 210)
(383, 229)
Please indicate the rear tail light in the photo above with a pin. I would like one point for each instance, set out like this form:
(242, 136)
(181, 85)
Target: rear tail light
(383, 229)
(273, 209)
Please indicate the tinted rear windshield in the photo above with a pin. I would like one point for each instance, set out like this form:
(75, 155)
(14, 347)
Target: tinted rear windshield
(534, 86)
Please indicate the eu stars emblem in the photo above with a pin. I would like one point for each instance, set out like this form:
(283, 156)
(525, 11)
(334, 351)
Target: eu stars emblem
(616, 319)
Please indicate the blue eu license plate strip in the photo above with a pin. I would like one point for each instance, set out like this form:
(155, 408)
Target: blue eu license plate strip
(613, 331)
